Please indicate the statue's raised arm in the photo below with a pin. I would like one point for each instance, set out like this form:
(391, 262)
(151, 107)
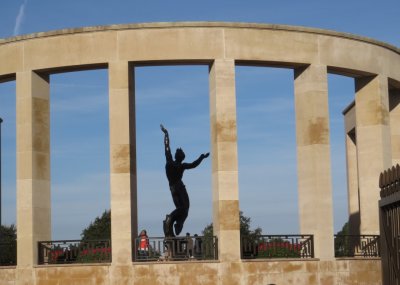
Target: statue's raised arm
(168, 154)
(196, 162)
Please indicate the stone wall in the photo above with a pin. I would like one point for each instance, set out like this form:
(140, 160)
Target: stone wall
(7, 275)
(278, 272)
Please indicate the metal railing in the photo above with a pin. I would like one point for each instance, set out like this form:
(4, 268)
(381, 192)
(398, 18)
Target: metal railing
(194, 248)
(357, 246)
(8, 253)
(277, 246)
(177, 248)
(389, 220)
(74, 251)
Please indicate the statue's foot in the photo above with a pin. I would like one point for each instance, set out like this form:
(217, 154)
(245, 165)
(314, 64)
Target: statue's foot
(167, 226)
(178, 228)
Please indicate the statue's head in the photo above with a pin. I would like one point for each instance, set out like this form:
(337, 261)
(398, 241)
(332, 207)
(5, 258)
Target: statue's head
(179, 155)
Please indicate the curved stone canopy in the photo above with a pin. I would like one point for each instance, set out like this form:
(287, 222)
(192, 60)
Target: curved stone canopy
(198, 42)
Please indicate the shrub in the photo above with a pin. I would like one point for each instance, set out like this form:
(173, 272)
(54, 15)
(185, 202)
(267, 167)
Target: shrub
(277, 249)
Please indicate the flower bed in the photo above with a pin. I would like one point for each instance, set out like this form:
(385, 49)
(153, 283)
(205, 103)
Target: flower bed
(79, 255)
(94, 255)
(74, 251)
(278, 249)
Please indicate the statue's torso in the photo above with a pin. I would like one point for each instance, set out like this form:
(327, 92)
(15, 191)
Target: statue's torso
(174, 171)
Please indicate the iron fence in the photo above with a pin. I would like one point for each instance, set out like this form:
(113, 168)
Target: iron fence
(74, 251)
(177, 248)
(389, 219)
(277, 246)
(357, 246)
(8, 253)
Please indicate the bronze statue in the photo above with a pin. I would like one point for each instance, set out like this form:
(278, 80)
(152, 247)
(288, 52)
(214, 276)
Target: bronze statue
(174, 170)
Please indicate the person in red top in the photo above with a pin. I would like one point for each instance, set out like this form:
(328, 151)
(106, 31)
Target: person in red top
(143, 244)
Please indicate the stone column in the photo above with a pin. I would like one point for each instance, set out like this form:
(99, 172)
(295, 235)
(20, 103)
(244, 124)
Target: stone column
(352, 184)
(122, 168)
(394, 107)
(313, 157)
(351, 167)
(373, 146)
(224, 159)
(33, 170)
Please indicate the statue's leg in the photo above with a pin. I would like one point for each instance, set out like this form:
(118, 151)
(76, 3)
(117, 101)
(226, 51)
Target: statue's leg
(182, 211)
(172, 217)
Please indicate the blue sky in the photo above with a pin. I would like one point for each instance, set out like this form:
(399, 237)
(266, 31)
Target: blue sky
(178, 97)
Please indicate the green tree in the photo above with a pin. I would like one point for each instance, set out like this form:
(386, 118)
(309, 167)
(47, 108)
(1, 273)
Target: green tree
(244, 228)
(99, 229)
(8, 245)
(251, 236)
(208, 231)
(343, 247)
(344, 231)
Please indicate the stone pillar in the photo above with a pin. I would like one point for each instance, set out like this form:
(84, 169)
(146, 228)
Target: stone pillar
(33, 170)
(352, 184)
(122, 168)
(224, 159)
(394, 107)
(353, 200)
(313, 157)
(373, 146)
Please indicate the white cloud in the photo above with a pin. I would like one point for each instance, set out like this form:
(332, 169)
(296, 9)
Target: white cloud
(20, 18)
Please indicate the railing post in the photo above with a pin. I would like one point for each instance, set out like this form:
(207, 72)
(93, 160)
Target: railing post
(312, 247)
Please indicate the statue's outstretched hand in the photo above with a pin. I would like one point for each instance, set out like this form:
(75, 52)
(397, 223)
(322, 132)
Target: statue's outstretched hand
(205, 155)
(163, 129)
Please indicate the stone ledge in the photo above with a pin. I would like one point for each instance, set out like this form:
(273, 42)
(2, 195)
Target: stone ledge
(358, 258)
(8, 267)
(71, 265)
(175, 262)
(280, 259)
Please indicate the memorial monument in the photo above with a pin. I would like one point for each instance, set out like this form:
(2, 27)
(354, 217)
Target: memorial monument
(174, 170)
(372, 141)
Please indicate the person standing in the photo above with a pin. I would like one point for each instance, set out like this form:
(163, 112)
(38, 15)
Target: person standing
(143, 248)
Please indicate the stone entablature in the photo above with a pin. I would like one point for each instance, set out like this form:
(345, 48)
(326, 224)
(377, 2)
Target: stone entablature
(169, 25)
(311, 53)
(283, 45)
